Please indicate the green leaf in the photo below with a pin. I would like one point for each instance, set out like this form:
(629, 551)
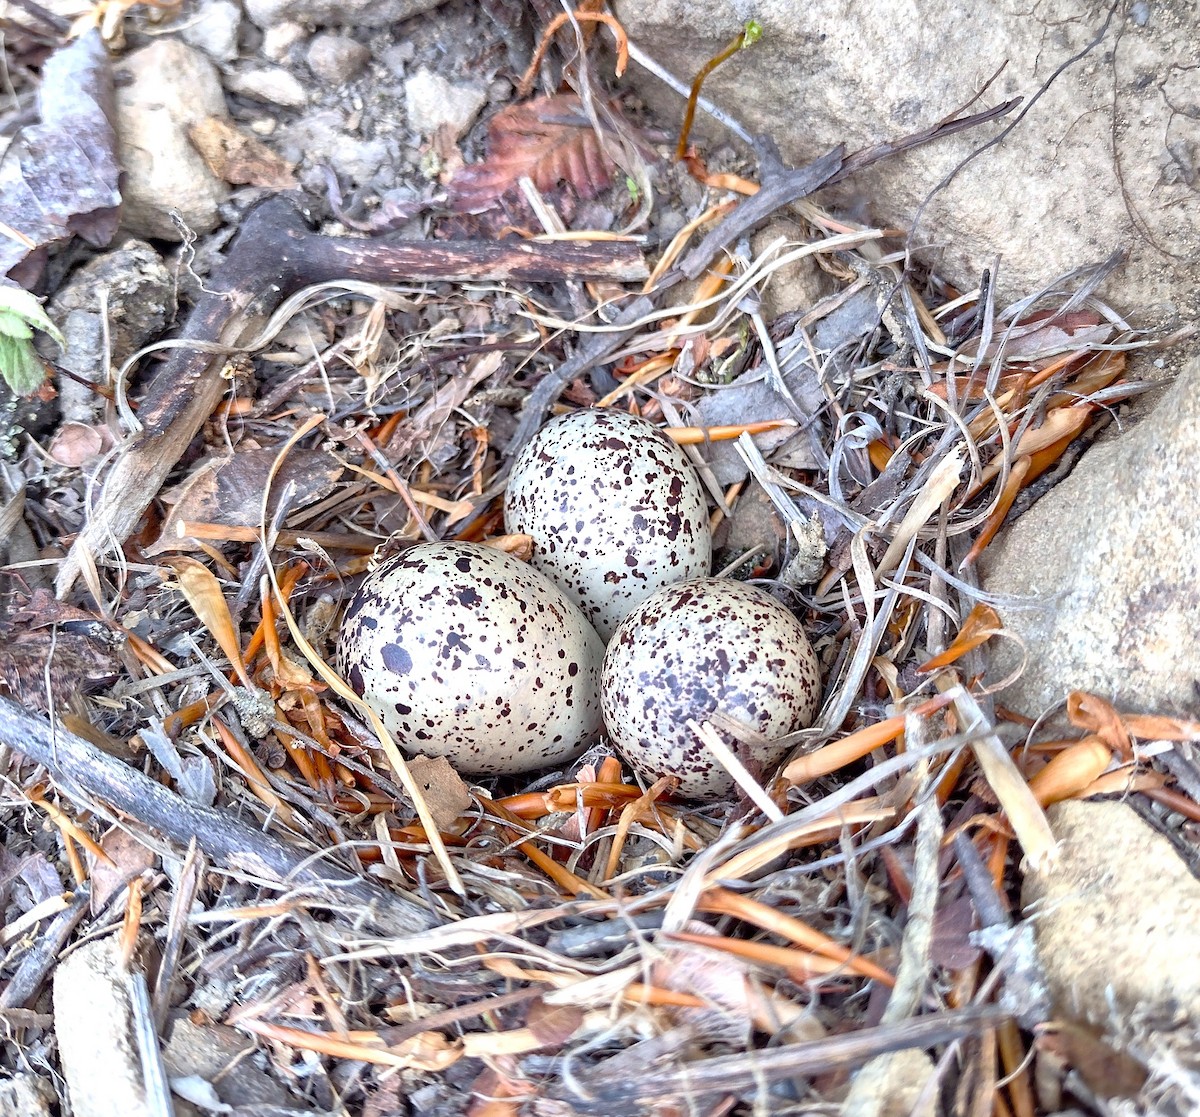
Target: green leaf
(21, 367)
(19, 302)
(751, 33)
(20, 314)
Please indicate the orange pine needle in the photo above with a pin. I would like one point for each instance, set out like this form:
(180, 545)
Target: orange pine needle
(981, 624)
(527, 79)
(1093, 713)
(800, 964)
(255, 779)
(1016, 478)
(1072, 770)
(837, 754)
(724, 902)
(695, 436)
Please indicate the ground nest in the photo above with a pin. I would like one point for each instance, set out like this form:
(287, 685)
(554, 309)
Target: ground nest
(291, 911)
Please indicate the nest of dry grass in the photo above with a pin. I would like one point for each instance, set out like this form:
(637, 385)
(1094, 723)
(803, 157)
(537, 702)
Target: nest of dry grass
(577, 942)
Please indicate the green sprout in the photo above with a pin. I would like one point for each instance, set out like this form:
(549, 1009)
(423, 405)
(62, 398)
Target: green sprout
(20, 314)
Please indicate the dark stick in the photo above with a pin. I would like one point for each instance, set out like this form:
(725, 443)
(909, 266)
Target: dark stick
(782, 188)
(87, 775)
(273, 256)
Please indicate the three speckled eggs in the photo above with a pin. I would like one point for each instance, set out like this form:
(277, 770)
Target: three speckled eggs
(469, 653)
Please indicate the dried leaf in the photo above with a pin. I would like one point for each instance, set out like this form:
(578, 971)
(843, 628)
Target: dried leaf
(548, 139)
(75, 443)
(203, 592)
(445, 793)
(129, 860)
(60, 179)
(239, 158)
(229, 491)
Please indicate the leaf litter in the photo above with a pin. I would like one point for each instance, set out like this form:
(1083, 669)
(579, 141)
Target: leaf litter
(578, 941)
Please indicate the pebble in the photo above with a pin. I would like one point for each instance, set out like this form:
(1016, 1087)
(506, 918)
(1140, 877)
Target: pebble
(336, 59)
(279, 39)
(432, 102)
(215, 30)
(272, 84)
(164, 89)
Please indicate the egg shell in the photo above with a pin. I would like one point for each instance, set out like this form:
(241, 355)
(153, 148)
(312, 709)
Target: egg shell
(468, 653)
(615, 510)
(694, 649)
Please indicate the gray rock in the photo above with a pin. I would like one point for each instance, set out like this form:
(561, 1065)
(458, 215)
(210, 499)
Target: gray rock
(214, 29)
(336, 13)
(1117, 920)
(336, 59)
(322, 138)
(140, 297)
(218, 1055)
(166, 88)
(1048, 199)
(892, 1086)
(272, 84)
(26, 1095)
(432, 101)
(1109, 563)
(795, 286)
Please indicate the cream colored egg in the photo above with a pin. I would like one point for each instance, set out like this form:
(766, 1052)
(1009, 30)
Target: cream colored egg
(695, 649)
(615, 509)
(468, 653)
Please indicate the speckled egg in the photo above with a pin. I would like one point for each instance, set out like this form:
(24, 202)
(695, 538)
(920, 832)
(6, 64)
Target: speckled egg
(468, 653)
(696, 648)
(615, 509)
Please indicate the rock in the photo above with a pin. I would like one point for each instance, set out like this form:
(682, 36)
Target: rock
(1049, 198)
(25, 1095)
(140, 300)
(892, 1086)
(279, 38)
(162, 90)
(1117, 920)
(1108, 567)
(432, 102)
(799, 285)
(272, 84)
(322, 138)
(337, 13)
(218, 1056)
(214, 29)
(93, 1022)
(336, 59)
(138, 290)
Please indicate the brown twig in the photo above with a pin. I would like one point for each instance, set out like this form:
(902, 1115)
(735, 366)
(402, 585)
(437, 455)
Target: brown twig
(273, 256)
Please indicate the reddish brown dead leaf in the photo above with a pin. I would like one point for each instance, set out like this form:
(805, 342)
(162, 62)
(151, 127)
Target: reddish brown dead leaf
(553, 1024)
(548, 139)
